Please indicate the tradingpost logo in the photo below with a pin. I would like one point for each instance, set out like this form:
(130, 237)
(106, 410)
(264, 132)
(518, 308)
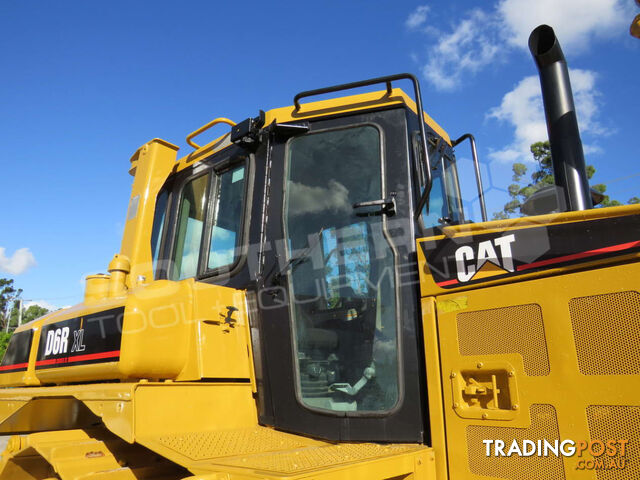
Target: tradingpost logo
(607, 454)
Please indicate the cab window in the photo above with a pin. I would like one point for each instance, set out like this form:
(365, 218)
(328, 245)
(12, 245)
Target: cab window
(191, 218)
(444, 207)
(208, 233)
(227, 205)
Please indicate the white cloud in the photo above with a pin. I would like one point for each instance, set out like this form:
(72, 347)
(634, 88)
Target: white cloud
(305, 200)
(21, 261)
(417, 18)
(522, 108)
(574, 21)
(472, 45)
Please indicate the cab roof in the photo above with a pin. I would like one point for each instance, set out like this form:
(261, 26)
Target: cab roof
(321, 108)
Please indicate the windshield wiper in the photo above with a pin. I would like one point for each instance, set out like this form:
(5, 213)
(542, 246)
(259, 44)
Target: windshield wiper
(295, 261)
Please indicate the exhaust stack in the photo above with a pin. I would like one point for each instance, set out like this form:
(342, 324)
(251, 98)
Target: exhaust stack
(566, 147)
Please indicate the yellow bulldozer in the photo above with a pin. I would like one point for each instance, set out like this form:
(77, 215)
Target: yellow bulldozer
(306, 298)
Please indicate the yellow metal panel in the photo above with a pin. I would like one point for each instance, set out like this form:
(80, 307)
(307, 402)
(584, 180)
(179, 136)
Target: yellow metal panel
(152, 164)
(46, 408)
(184, 408)
(171, 330)
(316, 458)
(221, 315)
(434, 385)
(92, 454)
(157, 330)
(210, 444)
(260, 452)
(540, 402)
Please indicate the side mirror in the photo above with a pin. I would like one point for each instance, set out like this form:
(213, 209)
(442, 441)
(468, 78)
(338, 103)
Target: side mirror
(635, 26)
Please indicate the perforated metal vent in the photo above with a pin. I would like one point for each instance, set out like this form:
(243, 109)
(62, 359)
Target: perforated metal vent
(517, 329)
(606, 330)
(544, 425)
(614, 422)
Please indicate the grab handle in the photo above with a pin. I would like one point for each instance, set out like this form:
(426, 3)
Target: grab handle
(207, 127)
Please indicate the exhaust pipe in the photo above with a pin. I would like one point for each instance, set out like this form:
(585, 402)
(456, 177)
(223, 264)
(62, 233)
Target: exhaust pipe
(566, 147)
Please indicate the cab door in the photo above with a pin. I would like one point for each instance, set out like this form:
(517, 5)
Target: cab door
(338, 303)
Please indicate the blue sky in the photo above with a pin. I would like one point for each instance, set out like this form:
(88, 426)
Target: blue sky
(84, 84)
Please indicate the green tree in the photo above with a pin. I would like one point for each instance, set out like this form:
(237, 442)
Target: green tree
(520, 190)
(4, 342)
(8, 294)
(28, 314)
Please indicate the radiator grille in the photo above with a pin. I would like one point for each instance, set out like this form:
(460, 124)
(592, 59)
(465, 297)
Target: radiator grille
(606, 330)
(544, 425)
(607, 422)
(517, 329)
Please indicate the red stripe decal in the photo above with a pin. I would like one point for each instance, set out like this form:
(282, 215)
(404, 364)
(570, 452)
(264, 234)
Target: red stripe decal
(448, 282)
(576, 256)
(14, 366)
(79, 358)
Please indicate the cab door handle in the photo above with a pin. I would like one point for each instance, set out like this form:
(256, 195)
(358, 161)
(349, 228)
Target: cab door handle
(388, 206)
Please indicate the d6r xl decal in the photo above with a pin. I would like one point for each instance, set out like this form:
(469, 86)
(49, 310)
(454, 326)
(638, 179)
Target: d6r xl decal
(82, 340)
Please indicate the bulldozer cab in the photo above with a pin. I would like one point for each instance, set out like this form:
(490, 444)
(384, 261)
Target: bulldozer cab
(318, 222)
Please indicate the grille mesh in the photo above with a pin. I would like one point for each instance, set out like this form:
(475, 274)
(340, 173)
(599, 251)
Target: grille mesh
(614, 422)
(517, 329)
(606, 330)
(544, 425)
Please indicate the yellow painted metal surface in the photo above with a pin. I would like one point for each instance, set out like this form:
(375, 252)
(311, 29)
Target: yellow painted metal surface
(152, 164)
(171, 330)
(434, 385)
(260, 452)
(203, 427)
(82, 455)
(559, 348)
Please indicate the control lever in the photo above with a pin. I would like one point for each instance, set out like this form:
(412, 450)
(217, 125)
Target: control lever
(368, 374)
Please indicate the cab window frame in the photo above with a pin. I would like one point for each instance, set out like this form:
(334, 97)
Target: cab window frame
(159, 260)
(225, 165)
(176, 220)
(214, 166)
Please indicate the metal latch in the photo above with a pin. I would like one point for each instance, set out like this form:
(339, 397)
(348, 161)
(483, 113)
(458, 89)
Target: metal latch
(473, 388)
(487, 391)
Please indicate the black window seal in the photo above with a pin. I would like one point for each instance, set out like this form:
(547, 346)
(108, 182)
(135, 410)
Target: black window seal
(160, 271)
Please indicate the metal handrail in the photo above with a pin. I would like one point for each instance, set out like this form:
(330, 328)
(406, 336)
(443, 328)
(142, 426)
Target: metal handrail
(206, 127)
(476, 166)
